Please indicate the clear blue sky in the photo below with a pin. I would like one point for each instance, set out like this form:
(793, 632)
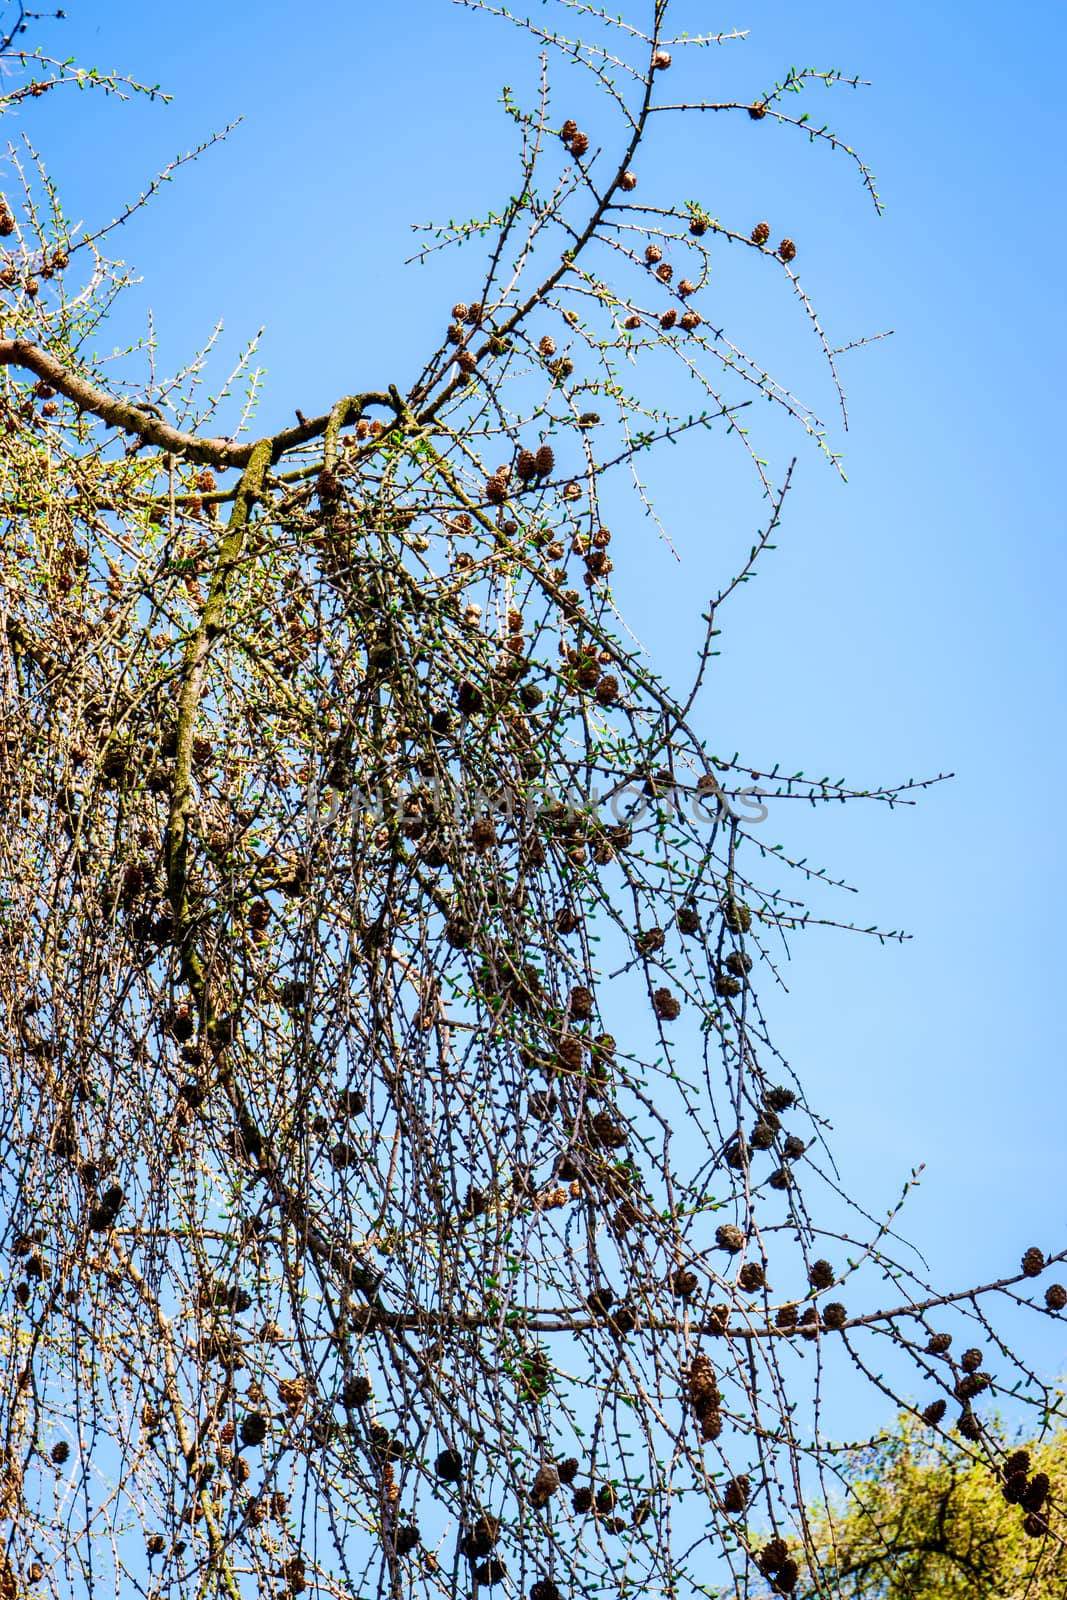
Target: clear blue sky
(909, 622)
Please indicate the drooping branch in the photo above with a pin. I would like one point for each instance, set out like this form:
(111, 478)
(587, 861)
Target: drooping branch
(199, 646)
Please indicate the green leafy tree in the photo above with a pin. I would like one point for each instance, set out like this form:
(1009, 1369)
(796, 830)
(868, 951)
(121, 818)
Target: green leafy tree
(924, 1519)
(375, 919)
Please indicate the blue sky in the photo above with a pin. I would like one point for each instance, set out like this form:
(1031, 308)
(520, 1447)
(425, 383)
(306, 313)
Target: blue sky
(909, 622)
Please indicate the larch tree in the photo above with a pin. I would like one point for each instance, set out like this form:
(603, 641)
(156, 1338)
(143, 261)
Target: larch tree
(395, 1159)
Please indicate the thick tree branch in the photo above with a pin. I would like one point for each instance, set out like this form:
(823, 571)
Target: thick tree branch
(152, 430)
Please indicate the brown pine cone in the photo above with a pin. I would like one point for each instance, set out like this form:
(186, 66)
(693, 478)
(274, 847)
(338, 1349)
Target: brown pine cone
(735, 1495)
(967, 1426)
(773, 1556)
(1033, 1262)
(702, 1384)
(581, 1003)
(1036, 1492)
(665, 1005)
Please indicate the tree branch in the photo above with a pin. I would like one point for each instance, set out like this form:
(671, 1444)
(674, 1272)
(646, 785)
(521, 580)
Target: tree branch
(153, 430)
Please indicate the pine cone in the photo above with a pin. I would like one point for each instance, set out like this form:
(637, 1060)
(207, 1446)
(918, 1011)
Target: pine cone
(581, 1003)
(1036, 1492)
(254, 1428)
(710, 1424)
(1033, 1262)
(449, 1466)
(967, 1426)
(666, 1007)
(788, 1574)
(293, 1392)
(701, 1383)
(736, 915)
(469, 700)
(546, 1481)
(773, 1556)
(1014, 1487)
(605, 1131)
(736, 1493)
